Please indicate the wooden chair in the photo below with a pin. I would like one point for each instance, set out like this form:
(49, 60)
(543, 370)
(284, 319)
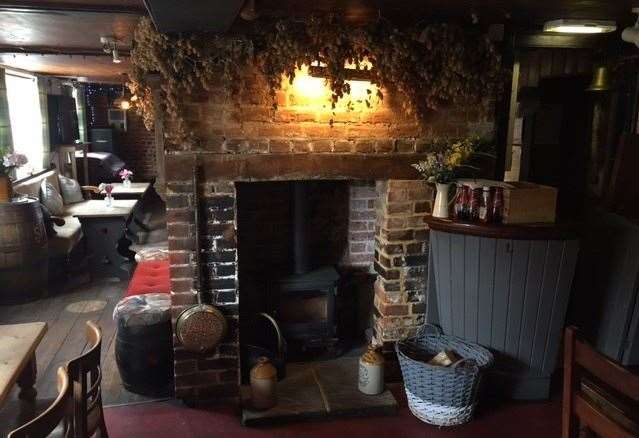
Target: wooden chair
(58, 415)
(85, 374)
(599, 395)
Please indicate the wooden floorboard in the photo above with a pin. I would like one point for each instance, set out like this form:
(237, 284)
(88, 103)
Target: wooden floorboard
(66, 314)
(111, 384)
(72, 322)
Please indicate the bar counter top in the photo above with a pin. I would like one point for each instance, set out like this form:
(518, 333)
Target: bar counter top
(534, 231)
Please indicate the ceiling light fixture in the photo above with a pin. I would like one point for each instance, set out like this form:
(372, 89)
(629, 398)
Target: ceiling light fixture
(116, 56)
(571, 25)
(110, 46)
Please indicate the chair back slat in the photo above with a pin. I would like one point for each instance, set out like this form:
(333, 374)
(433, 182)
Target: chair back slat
(598, 422)
(95, 390)
(606, 370)
(620, 391)
(59, 414)
(85, 373)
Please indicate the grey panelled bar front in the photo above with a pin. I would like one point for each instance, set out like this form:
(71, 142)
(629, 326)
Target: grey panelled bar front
(506, 292)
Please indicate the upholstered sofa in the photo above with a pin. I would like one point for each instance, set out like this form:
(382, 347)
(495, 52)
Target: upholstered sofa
(68, 233)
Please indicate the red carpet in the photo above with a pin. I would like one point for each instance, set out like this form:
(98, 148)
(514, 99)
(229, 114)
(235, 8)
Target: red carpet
(173, 419)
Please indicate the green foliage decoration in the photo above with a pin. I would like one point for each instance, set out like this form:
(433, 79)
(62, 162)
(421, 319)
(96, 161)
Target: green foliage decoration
(428, 67)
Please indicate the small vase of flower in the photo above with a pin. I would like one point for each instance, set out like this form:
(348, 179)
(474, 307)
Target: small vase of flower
(107, 189)
(9, 162)
(441, 167)
(126, 175)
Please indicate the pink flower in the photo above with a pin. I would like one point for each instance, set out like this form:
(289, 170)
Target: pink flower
(14, 160)
(125, 174)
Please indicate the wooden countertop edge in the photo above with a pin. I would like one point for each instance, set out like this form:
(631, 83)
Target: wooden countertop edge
(539, 231)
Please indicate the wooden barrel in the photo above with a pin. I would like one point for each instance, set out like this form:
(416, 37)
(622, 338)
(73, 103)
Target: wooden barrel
(23, 252)
(144, 355)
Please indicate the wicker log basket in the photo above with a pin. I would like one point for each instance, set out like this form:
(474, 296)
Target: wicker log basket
(443, 396)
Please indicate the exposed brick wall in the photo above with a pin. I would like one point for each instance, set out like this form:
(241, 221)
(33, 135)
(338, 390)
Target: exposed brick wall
(254, 142)
(136, 147)
(361, 225)
(214, 375)
(401, 258)
(254, 127)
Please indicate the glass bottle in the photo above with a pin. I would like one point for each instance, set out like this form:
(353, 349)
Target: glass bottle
(485, 208)
(498, 205)
(475, 203)
(459, 201)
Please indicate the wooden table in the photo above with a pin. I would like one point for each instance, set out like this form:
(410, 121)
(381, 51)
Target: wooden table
(18, 343)
(136, 190)
(105, 229)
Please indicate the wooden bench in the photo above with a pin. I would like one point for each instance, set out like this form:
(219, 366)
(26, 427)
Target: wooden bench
(68, 233)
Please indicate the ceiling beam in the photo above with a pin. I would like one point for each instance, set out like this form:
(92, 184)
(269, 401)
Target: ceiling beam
(77, 51)
(36, 7)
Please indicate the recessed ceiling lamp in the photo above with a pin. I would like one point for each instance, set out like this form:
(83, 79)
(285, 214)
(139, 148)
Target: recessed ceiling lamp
(571, 25)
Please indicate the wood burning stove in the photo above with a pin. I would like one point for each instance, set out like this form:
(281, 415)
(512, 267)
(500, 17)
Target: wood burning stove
(305, 307)
(304, 303)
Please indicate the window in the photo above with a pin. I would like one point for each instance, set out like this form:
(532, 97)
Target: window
(26, 120)
(80, 108)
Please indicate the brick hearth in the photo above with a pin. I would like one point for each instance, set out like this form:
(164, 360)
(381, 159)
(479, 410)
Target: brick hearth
(372, 148)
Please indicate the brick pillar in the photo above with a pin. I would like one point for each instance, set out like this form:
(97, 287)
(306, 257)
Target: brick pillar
(213, 376)
(401, 258)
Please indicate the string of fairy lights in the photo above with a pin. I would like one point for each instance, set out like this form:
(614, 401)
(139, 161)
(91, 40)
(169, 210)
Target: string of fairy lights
(94, 93)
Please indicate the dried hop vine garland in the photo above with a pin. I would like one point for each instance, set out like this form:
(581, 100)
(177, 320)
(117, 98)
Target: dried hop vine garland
(429, 67)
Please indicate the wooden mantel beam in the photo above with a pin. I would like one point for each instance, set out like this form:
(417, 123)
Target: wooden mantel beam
(264, 167)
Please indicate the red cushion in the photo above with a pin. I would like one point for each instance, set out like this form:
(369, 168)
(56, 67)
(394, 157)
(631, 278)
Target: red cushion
(150, 277)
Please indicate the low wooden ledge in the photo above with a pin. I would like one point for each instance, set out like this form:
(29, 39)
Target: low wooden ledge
(501, 231)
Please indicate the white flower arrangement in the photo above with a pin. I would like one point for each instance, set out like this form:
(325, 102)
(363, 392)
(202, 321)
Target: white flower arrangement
(10, 161)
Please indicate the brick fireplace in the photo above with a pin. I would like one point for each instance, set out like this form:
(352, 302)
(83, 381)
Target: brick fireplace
(370, 149)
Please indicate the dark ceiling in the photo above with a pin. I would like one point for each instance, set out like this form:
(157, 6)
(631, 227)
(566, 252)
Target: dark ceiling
(62, 36)
(523, 12)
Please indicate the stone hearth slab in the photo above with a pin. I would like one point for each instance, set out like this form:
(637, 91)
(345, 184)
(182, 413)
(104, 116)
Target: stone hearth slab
(319, 390)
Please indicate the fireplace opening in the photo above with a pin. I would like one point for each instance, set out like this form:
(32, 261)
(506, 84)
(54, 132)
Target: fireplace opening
(293, 247)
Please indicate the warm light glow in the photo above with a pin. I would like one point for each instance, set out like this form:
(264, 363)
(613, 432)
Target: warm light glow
(575, 29)
(580, 26)
(313, 92)
(359, 89)
(362, 65)
(125, 105)
(309, 86)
